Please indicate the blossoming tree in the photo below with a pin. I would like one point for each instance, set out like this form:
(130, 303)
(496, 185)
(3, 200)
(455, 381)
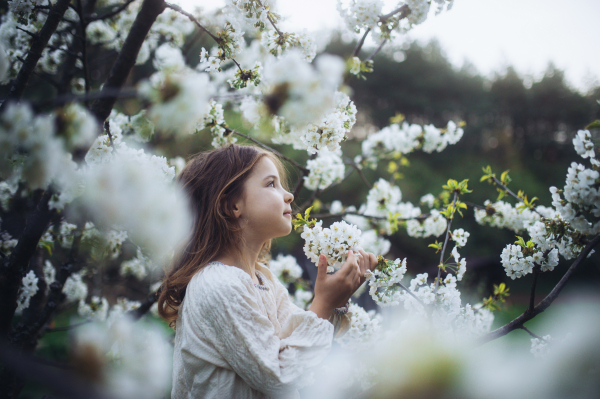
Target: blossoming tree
(86, 173)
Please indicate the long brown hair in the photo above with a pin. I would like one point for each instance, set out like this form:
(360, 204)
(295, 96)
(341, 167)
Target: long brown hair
(213, 181)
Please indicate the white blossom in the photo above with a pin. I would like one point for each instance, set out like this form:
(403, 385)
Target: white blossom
(583, 144)
(364, 329)
(96, 310)
(29, 287)
(326, 169)
(75, 289)
(334, 242)
(285, 268)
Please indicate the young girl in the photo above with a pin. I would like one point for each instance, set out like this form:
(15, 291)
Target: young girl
(238, 335)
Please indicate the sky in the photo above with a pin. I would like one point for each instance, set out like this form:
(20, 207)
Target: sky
(490, 34)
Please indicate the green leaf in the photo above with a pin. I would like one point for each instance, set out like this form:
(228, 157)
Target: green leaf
(595, 124)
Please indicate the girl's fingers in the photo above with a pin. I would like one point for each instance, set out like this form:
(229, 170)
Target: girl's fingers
(349, 264)
(365, 261)
(372, 261)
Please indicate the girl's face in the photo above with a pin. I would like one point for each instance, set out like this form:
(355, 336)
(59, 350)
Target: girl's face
(265, 207)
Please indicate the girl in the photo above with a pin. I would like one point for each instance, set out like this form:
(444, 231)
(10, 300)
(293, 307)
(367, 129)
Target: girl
(238, 335)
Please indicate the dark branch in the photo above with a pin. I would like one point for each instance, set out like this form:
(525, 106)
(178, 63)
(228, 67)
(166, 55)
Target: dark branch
(544, 304)
(180, 10)
(266, 147)
(38, 44)
(360, 43)
(110, 14)
(405, 10)
(374, 53)
(15, 267)
(149, 11)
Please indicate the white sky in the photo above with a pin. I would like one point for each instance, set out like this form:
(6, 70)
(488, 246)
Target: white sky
(491, 34)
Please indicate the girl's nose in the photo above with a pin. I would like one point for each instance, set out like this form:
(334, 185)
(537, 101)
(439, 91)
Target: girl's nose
(288, 197)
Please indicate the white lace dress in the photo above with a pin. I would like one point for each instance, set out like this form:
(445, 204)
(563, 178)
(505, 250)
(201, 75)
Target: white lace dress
(237, 339)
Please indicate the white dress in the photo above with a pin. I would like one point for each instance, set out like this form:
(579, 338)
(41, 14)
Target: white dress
(238, 340)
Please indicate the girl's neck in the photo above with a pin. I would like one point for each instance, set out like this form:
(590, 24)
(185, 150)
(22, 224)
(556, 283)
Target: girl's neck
(244, 258)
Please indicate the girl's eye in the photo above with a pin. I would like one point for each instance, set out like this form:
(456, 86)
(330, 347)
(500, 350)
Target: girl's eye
(271, 184)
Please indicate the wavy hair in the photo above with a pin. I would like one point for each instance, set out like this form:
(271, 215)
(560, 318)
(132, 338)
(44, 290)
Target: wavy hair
(213, 182)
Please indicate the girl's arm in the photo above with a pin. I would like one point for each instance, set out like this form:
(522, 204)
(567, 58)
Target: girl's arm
(228, 316)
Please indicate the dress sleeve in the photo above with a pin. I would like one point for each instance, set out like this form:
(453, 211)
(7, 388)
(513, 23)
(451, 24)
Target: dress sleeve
(285, 308)
(246, 338)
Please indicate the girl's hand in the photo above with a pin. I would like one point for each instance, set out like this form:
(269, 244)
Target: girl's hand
(334, 290)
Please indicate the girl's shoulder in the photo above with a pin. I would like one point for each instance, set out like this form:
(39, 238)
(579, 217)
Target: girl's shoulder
(218, 278)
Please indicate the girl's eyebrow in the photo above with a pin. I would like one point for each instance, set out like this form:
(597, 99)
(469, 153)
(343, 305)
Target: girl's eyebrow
(271, 177)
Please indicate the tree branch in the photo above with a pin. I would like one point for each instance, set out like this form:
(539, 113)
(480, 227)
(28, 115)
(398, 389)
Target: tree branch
(439, 273)
(266, 147)
(149, 11)
(405, 10)
(180, 10)
(532, 334)
(360, 43)
(38, 43)
(109, 14)
(15, 266)
(360, 172)
(532, 295)
(374, 53)
(544, 304)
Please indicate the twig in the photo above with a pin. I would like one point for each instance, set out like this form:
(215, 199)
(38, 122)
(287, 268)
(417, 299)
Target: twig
(544, 304)
(342, 214)
(145, 306)
(107, 130)
(270, 20)
(411, 294)
(266, 147)
(110, 14)
(360, 43)
(34, 54)
(439, 273)
(474, 205)
(404, 9)
(374, 53)
(67, 328)
(360, 172)
(86, 71)
(532, 295)
(180, 10)
(532, 334)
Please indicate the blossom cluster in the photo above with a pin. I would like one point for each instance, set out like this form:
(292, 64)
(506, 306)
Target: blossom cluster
(277, 44)
(334, 242)
(360, 14)
(364, 328)
(33, 147)
(139, 266)
(503, 215)
(382, 200)
(325, 169)
(540, 347)
(434, 225)
(406, 138)
(285, 268)
(213, 120)
(132, 359)
(29, 287)
(253, 11)
(178, 100)
(325, 134)
(383, 282)
(132, 189)
(297, 91)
